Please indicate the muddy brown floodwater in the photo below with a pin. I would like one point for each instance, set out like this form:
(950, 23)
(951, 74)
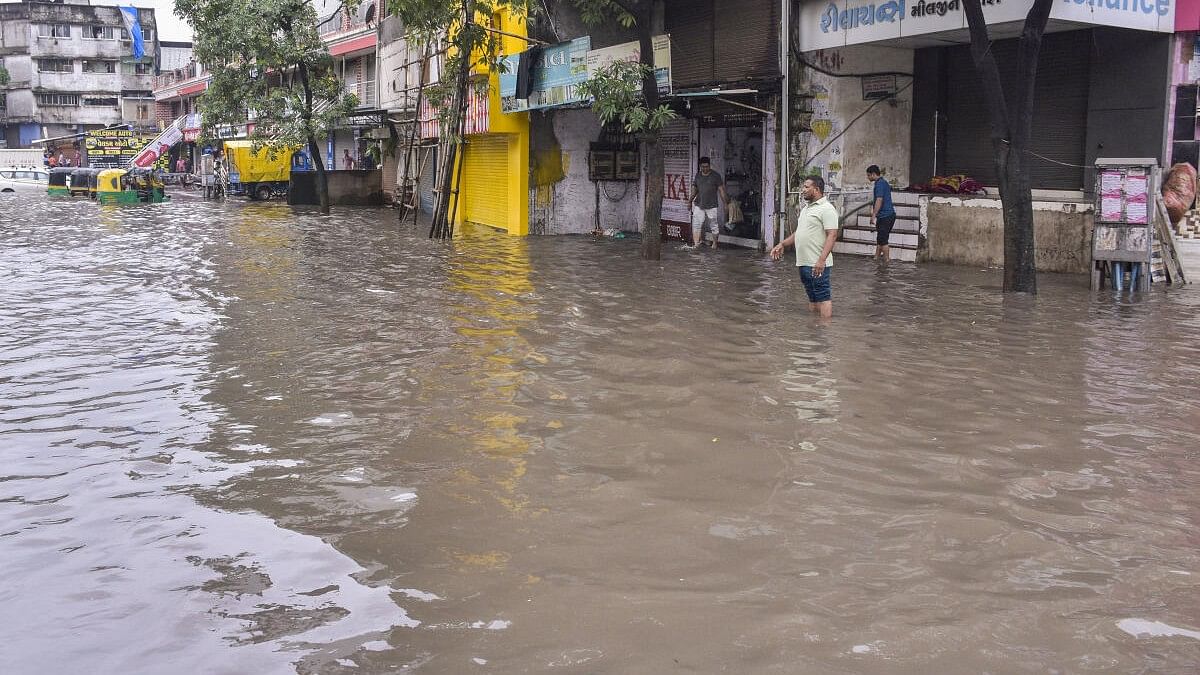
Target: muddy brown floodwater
(241, 439)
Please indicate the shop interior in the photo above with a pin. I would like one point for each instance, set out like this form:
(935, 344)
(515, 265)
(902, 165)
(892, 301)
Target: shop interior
(736, 152)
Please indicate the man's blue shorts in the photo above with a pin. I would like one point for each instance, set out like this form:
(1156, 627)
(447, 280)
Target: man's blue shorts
(818, 288)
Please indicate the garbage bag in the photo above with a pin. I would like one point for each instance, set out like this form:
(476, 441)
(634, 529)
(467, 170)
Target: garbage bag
(735, 212)
(1179, 190)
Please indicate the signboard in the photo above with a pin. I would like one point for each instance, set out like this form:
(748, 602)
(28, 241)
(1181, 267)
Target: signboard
(113, 148)
(158, 148)
(631, 51)
(556, 77)
(678, 170)
(875, 87)
(827, 24)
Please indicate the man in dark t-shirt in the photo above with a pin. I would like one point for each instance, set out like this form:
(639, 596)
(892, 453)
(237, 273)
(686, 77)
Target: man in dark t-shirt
(883, 213)
(706, 187)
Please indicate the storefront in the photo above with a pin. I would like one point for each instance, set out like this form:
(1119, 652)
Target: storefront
(895, 85)
(740, 145)
(726, 89)
(493, 185)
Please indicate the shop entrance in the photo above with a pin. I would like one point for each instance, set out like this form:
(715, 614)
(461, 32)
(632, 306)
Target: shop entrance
(737, 143)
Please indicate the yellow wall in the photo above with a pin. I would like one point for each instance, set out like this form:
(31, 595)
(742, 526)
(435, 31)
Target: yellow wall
(514, 126)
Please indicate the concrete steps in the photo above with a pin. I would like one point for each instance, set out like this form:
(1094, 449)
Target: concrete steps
(858, 236)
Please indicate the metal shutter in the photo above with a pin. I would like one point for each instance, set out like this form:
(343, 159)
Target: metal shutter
(485, 180)
(747, 40)
(428, 179)
(1059, 116)
(690, 25)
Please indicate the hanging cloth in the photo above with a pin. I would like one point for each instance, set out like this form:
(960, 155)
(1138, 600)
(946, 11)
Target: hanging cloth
(529, 60)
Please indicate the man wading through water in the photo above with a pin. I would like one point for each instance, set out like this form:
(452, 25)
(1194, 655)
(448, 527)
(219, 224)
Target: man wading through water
(703, 203)
(816, 231)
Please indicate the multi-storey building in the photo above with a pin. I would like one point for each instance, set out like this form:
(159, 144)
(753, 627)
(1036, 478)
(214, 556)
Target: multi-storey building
(351, 39)
(69, 67)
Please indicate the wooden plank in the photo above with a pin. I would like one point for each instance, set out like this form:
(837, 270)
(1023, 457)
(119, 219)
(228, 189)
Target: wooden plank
(1170, 255)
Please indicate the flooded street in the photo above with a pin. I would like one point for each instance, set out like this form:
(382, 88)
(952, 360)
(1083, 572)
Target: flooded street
(244, 439)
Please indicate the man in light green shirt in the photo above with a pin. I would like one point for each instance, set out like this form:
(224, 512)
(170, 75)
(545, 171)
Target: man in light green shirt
(816, 232)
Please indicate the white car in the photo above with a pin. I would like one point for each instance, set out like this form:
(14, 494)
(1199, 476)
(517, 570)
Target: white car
(23, 179)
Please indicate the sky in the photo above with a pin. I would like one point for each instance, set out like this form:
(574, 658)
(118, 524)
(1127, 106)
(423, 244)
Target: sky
(170, 27)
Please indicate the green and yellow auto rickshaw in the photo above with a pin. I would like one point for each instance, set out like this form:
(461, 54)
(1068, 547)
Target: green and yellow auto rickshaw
(58, 186)
(135, 186)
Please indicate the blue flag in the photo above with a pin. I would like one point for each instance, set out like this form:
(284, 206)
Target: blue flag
(130, 16)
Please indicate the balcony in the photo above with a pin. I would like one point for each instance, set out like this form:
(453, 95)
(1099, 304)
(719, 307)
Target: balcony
(365, 91)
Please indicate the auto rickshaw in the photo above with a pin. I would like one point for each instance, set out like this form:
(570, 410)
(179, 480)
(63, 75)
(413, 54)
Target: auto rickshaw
(83, 182)
(149, 185)
(135, 186)
(57, 184)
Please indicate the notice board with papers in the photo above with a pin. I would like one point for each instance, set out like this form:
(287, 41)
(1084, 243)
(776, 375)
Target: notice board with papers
(1124, 209)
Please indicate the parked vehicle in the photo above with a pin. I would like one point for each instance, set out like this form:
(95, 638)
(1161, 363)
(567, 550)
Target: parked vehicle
(57, 184)
(83, 182)
(119, 186)
(263, 174)
(23, 179)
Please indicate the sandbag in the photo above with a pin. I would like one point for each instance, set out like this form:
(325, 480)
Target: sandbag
(1179, 190)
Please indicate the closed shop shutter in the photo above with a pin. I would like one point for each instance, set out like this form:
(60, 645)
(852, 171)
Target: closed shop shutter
(747, 41)
(485, 180)
(1059, 115)
(428, 179)
(690, 25)
(391, 164)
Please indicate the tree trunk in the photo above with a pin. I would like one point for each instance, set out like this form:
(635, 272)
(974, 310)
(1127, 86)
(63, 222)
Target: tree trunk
(322, 179)
(652, 212)
(1016, 198)
(1012, 126)
(313, 148)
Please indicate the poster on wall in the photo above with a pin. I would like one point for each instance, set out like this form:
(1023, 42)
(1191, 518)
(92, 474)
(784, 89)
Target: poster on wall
(631, 51)
(678, 166)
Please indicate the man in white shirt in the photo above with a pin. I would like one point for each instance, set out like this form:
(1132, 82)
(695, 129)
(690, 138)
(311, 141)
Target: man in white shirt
(816, 232)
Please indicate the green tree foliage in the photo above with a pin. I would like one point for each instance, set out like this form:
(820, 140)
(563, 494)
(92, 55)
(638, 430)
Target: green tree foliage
(268, 62)
(616, 93)
(439, 25)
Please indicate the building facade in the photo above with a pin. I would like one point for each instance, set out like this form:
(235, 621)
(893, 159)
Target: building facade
(894, 84)
(70, 68)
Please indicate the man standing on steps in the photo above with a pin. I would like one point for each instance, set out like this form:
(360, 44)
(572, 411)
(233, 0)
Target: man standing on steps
(703, 203)
(883, 214)
(816, 232)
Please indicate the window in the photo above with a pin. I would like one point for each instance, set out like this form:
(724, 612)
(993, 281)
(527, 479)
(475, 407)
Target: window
(143, 112)
(137, 68)
(58, 99)
(99, 66)
(100, 101)
(6, 174)
(56, 66)
(54, 30)
(102, 32)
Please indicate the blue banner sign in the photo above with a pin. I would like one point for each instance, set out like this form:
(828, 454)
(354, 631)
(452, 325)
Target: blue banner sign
(561, 68)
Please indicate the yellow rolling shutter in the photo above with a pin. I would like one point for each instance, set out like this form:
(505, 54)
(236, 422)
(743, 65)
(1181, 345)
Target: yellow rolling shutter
(485, 180)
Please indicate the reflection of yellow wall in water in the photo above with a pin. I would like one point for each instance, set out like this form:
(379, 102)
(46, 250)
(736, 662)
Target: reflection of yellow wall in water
(491, 277)
(267, 250)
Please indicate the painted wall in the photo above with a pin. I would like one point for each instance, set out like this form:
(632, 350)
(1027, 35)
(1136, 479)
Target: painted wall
(516, 127)
(562, 198)
(970, 231)
(824, 106)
